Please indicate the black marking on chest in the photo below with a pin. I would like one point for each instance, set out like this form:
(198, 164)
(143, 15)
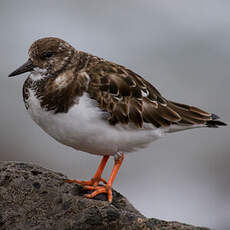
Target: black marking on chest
(61, 99)
(25, 91)
(52, 98)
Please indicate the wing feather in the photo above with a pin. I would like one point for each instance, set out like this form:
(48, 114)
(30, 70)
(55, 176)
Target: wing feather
(127, 97)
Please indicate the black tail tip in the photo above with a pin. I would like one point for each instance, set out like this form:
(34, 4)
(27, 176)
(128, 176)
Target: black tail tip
(214, 123)
(214, 116)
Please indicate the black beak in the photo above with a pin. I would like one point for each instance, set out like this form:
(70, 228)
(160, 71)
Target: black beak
(28, 66)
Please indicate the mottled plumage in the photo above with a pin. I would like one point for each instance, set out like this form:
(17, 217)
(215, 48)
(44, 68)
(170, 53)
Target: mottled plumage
(125, 95)
(97, 106)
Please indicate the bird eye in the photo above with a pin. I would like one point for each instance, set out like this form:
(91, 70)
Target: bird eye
(48, 54)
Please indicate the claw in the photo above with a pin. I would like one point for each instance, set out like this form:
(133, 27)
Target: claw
(92, 182)
(92, 187)
(99, 190)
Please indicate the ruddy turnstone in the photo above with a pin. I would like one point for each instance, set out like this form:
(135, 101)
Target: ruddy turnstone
(99, 107)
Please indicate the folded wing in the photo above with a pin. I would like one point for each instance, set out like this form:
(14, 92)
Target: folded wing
(127, 97)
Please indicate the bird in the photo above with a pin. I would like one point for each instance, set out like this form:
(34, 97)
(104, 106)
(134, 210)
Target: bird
(99, 107)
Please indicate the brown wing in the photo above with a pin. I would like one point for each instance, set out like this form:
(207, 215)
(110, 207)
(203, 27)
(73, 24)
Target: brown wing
(127, 97)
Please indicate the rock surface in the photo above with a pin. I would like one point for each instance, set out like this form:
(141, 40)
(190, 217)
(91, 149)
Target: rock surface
(35, 198)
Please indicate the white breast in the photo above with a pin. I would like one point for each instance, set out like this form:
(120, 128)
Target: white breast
(84, 128)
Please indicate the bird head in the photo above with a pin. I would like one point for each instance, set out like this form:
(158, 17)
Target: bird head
(47, 57)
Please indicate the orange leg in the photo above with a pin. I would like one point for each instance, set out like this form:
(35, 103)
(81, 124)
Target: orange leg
(107, 188)
(97, 176)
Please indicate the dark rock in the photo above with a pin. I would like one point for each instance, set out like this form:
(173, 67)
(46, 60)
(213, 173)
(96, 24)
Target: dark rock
(35, 172)
(36, 185)
(35, 198)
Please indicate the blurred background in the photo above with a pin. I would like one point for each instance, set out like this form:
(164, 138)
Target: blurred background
(182, 47)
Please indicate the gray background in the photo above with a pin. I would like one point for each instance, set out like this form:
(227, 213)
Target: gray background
(182, 47)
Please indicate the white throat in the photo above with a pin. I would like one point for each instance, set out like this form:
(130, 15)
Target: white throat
(38, 74)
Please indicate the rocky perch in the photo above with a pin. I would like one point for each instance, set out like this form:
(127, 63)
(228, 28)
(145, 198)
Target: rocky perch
(32, 197)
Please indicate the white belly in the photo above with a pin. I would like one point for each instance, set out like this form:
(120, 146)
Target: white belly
(84, 128)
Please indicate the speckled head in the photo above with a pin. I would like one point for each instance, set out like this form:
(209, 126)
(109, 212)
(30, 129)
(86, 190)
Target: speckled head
(47, 56)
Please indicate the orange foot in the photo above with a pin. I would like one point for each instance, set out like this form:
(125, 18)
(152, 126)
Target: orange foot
(96, 178)
(99, 190)
(93, 182)
(108, 187)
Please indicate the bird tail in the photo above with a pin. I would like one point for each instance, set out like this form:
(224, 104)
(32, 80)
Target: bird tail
(215, 122)
(191, 115)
